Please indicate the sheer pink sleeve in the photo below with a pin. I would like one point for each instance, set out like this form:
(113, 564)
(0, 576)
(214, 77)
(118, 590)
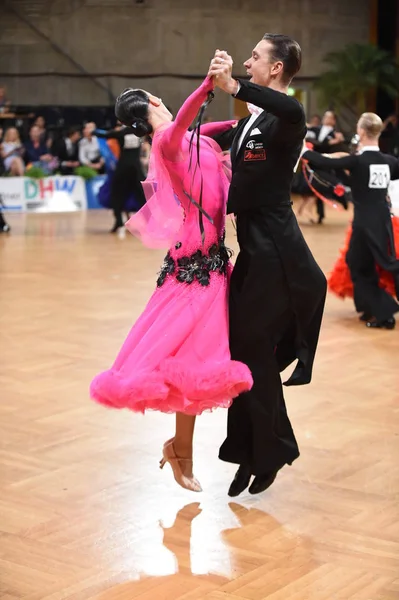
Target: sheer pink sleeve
(211, 129)
(174, 135)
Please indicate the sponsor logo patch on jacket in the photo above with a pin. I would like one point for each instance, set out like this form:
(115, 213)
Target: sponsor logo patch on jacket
(254, 151)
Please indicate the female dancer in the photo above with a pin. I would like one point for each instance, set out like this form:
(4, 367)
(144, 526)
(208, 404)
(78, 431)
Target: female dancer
(320, 185)
(176, 358)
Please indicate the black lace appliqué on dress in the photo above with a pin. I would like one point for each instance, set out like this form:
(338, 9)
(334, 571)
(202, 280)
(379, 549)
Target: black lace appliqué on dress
(198, 266)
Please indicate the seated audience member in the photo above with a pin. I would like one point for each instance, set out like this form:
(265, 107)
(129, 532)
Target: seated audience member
(45, 137)
(89, 149)
(67, 151)
(12, 151)
(36, 151)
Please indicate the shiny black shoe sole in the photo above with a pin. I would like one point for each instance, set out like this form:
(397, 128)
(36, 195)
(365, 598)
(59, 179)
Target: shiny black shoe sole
(262, 482)
(389, 324)
(240, 482)
(115, 228)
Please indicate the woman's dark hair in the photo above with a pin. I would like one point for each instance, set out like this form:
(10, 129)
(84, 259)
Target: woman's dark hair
(131, 109)
(288, 51)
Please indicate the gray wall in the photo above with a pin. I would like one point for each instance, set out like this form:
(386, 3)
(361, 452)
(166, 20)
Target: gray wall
(159, 36)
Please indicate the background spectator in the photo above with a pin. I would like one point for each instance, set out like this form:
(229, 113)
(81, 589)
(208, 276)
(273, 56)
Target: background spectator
(12, 151)
(66, 150)
(89, 149)
(36, 151)
(4, 102)
(40, 122)
(390, 135)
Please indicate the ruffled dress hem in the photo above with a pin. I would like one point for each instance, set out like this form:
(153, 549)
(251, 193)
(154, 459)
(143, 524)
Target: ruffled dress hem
(339, 280)
(173, 387)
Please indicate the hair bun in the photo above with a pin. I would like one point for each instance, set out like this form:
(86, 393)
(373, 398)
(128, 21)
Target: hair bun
(141, 127)
(131, 109)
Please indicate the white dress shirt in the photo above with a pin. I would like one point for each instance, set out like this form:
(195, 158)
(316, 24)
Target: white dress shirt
(256, 111)
(324, 131)
(89, 150)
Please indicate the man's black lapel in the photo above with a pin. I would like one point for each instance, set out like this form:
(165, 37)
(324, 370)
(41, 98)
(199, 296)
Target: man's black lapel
(239, 129)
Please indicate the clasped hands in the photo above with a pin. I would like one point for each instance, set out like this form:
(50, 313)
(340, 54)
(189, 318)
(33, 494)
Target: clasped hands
(220, 69)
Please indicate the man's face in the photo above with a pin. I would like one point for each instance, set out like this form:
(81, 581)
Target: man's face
(329, 119)
(35, 134)
(260, 66)
(75, 137)
(315, 121)
(88, 129)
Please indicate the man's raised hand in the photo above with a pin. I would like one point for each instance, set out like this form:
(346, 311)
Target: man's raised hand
(220, 69)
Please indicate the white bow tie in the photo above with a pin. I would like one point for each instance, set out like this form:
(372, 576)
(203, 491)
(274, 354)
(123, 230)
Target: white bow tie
(254, 110)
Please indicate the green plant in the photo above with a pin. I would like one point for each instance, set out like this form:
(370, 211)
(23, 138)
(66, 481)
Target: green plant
(86, 172)
(36, 173)
(353, 73)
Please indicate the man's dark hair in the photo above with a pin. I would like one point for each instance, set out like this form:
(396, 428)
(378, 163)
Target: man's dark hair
(288, 51)
(332, 112)
(73, 129)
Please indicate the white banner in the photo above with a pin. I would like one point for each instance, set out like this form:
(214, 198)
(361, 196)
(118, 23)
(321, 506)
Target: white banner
(51, 194)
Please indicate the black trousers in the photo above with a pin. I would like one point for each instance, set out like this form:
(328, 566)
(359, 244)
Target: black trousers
(126, 181)
(259, 432)
(368, 296)
(3, 222)
(320, 209)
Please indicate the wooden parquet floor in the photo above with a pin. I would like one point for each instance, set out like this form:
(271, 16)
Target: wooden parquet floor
(85, 513)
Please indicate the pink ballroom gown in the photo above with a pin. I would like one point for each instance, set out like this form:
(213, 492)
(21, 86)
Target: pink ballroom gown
(176, 356)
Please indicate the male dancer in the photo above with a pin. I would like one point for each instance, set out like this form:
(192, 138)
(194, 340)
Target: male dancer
(277, 290)
(372, 241)
(128, 174)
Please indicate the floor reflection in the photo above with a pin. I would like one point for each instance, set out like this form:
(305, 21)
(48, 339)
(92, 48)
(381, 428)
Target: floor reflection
(200, 543)
(194, 539)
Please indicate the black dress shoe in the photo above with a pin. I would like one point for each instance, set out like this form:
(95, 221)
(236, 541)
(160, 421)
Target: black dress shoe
(388, 324)
(117, 225)
(240, 482)
(262, 482)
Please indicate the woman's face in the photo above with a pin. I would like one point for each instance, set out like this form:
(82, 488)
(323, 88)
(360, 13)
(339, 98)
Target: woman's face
(12, 135)
(158, 108)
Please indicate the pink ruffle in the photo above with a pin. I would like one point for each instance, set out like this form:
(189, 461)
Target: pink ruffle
(174, 387)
